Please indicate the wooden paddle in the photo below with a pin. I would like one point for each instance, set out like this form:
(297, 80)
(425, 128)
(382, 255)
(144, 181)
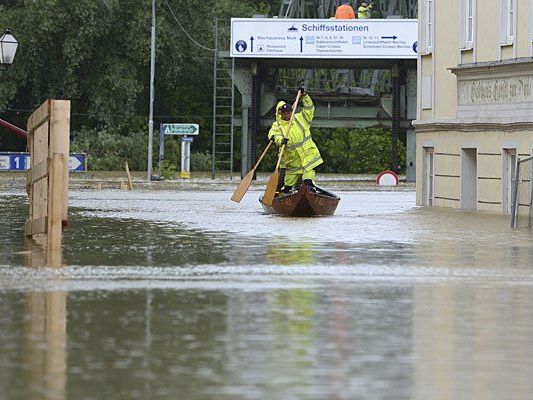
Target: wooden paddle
(272, 184)
(243, 187)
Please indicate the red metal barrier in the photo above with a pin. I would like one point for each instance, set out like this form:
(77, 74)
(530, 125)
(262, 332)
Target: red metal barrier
(15, 129)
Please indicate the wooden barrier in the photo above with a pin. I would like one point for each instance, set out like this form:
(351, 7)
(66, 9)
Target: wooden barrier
(47, 179)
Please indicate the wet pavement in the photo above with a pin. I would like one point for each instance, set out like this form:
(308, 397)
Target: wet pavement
(174, 294)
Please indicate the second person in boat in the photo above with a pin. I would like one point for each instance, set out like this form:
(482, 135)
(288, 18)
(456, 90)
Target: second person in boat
(301, 155)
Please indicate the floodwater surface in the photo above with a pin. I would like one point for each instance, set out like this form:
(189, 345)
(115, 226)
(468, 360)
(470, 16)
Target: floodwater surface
(186, 295)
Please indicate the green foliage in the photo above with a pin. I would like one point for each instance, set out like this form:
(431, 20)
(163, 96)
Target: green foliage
(168, 170)
(201, 161)
(107, 150)
(357, 151)
(97, 54)
(353, 151)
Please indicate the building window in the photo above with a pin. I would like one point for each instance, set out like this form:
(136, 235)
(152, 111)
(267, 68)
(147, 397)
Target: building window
(531, 20)
(507, 21)
(468, 23)
(429, 25)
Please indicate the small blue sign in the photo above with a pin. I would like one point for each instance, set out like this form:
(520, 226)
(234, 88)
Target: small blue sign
(241, 46)
(76, 162)
(187, 139)
(21, 161)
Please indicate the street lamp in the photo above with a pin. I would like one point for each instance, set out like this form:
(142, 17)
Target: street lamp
(8, 48)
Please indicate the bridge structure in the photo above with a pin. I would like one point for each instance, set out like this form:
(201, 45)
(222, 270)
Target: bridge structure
(360, 73)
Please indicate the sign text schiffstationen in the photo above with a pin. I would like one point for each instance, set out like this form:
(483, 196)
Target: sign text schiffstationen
(330, 38)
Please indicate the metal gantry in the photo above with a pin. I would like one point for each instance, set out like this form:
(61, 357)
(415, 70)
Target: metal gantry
(363, 85)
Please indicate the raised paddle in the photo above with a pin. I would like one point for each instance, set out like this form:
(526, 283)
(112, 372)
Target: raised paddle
(243, 187)
(272, 184)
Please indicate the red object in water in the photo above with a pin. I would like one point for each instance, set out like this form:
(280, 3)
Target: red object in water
(15, 129)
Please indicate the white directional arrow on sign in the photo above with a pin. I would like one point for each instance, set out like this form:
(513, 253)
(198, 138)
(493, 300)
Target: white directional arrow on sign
(73, 163)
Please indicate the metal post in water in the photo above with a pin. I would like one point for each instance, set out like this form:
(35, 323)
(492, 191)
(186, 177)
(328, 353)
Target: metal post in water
(152, 95)
(514, 196)
(396, 116)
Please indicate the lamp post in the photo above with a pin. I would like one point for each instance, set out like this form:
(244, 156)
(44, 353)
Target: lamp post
(152, 95)
(8, 48)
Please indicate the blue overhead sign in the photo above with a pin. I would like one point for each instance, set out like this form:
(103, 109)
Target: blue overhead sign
(21, 162)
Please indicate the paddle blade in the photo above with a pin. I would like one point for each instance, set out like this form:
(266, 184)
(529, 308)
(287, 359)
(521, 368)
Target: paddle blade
(271, 188)
(243, 187)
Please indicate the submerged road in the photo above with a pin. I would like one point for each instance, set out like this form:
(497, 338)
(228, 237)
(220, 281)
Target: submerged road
(188, 295)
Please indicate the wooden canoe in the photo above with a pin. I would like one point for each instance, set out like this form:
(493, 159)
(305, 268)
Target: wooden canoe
(303, 202)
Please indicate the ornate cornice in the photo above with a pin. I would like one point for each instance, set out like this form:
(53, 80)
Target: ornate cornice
(448, 124)
(511, 65)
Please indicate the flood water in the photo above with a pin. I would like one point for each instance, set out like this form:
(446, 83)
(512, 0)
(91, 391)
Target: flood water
(186, 295)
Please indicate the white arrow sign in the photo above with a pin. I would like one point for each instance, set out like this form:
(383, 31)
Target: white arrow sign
(73, 163)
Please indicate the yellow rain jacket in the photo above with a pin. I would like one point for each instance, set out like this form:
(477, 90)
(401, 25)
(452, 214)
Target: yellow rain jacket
(301, 154)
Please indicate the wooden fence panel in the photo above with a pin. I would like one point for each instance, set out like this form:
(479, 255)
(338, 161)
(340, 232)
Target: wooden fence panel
(47, 180)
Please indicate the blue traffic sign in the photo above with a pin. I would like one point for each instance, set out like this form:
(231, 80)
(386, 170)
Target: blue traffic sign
(187, 139)
(10, 161)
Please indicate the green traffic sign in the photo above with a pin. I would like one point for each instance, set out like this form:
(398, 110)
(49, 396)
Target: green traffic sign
(180, 129)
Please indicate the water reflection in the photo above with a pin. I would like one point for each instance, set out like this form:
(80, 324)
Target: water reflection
(201, 299)
(45, 346)
(472, 343)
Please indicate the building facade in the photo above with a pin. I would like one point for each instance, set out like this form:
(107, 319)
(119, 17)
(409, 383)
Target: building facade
(475, 101)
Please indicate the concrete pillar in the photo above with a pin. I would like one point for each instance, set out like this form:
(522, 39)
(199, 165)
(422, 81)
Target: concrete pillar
(243, 83)
(246, 143)
(410, 159)
(411, 135)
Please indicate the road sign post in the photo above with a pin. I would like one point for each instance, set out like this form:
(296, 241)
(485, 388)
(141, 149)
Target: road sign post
(186, 131)
(186, 157)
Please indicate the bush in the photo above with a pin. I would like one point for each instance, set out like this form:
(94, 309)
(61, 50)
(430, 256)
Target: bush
(107, 151)
(201, 162)
(353, 151)
(357, 151)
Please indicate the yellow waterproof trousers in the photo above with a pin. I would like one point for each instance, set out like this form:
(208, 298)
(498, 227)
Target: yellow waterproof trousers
(292, 179)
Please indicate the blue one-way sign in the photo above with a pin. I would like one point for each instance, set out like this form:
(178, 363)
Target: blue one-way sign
(10, 161)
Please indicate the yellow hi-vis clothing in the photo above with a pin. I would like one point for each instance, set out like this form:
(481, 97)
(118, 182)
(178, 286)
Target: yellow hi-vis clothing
(301, 156)
(364, 12)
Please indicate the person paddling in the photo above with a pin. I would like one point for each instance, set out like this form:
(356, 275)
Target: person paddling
(301, 155)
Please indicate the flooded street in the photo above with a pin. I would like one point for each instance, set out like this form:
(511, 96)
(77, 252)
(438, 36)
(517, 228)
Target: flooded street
(187, 295)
